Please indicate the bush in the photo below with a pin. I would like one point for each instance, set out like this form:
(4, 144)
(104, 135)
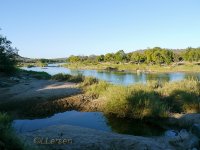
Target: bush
(77, 78)
(35, 74)
(97, 89)
(7, 136)
(89, 81)
(61, 77)
(66, 77)
(7, 56)
(182, 96)
(135, 102)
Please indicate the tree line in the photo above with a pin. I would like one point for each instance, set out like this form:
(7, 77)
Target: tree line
(154, 55)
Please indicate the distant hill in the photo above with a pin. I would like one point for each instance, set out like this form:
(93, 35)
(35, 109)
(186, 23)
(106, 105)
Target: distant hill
(33, 60)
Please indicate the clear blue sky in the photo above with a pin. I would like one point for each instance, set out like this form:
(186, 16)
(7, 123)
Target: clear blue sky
(59, 28)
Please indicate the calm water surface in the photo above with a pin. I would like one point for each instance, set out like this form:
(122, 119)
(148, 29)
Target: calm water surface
(122, 78)
(93, 120)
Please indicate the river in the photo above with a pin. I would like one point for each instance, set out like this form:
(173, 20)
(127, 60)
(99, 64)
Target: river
(122, 78)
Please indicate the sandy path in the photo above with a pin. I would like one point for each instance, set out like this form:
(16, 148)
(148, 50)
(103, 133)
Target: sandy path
(37, 89)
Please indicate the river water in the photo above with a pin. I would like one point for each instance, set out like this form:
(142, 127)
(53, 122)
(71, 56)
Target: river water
(122, 78)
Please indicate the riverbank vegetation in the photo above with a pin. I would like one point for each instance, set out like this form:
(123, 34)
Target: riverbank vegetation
(154, 55)
(8, 139)
(151, 100)
(34, 74)
(7, 56)
(152, 59)
(67, 77)
(155, 99)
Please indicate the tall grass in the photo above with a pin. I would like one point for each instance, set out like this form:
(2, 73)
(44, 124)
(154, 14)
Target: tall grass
(8, 139)
(154, 99)
(97, 89)
(35, 74)
(67, 77)
(135, 102)
(182, 96)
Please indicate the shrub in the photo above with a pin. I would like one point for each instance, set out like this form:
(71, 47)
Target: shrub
(7, 56)
(135, 102)
(61, 77)
(182, 96)
(97, 89)
(77, 78)
(35, 74)
(89, 81)
(7, 136)
(66, 77)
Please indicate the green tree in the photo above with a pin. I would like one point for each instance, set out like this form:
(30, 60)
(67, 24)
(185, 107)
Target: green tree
(100, 58)
(109, 57)
(7, 56)
(137, 57)
(192, 54)
(73, 59)
(120, 56)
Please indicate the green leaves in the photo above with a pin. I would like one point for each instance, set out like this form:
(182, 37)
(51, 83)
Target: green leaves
(7, 56)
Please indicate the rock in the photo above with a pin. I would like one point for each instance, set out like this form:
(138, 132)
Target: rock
(184, 140)
(171, 133)
(3, 84)
(24, 78)
(84, 139)
(196, 130)
(189, 119)
(14, 79)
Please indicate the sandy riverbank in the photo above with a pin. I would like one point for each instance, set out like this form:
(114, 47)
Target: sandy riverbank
(30, 89)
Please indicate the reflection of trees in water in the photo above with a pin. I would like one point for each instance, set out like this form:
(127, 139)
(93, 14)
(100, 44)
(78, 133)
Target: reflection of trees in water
(134, 127)
(160, 77)
(128, 78)
(137, 77)
(105, 75)
(76, 72)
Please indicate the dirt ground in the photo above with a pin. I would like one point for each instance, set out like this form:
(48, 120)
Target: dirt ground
(29, 89)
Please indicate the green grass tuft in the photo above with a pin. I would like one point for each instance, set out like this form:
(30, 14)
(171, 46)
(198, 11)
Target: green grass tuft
(8, 139)
(66, 77)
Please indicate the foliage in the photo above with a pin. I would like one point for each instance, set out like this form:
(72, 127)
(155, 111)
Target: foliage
(134, 102)
(42, 63)
(182, 96)
(61, 77)
(192, 54)
(7, 56)
(120, 56)
(154, 56)
(154, 99)
(66, 77)
(89, 81)
(35, 74)
(73, 59)
(97, 89)
(137, 57)
(7, 136)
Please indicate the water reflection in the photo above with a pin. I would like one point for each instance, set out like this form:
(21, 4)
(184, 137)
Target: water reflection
(134, 127)
(123, 78)
(93, 120)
